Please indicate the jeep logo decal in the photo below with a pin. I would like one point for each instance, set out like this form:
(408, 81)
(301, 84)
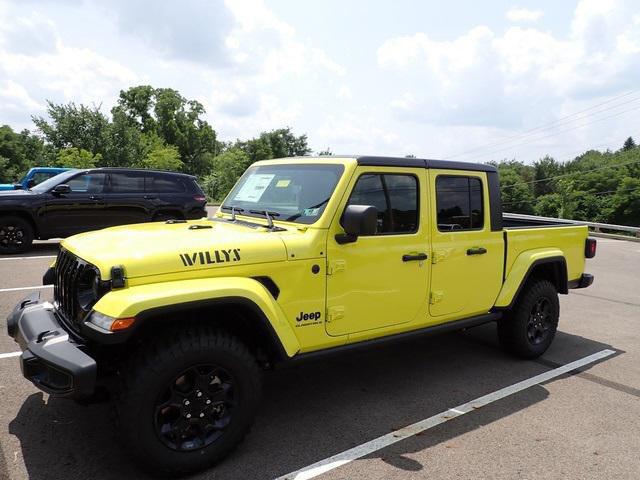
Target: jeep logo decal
(207, 258)
(313, 316)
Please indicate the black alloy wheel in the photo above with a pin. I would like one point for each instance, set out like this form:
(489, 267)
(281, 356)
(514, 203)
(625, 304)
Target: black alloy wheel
(195, 408)
(539, 324)
(16, 235)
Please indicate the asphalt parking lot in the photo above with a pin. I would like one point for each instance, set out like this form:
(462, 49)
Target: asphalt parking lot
(582, 425)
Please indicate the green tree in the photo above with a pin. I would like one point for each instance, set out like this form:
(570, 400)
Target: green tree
(628, 144)
(74, 126)
(175, 119)
(163, 157)
(19, 152)
(227, 168)
(72, 157)
(516, 194)
(549, 205)
(624, 204)
(545, 168)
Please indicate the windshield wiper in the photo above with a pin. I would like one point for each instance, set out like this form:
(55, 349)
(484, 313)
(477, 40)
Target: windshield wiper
(233, 209)
(317, 205)
(268, 214)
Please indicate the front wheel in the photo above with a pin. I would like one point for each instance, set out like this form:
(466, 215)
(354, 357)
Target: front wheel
(188, 401)
(16, 235)
(528, 330)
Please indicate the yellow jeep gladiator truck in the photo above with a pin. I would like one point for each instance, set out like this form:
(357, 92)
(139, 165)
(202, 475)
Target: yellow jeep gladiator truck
(305, 257)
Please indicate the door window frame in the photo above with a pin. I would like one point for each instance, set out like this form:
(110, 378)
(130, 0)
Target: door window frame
(387, 234)
(483, 203)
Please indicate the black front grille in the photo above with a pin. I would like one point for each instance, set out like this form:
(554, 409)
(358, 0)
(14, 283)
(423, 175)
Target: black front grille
(69, 269)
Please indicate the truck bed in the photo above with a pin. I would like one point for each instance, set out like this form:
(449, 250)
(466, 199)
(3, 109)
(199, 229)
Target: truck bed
(529, 235)
(511, 221)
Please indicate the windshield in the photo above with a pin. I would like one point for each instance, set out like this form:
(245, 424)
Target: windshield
(295, 193)
(53, 181)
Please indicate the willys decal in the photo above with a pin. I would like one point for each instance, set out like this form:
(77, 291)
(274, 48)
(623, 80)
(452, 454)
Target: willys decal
(209, 257)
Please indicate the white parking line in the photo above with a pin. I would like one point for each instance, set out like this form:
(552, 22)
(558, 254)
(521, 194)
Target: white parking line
(4, 259)
(17, 289)
(10, 354)
(379, 443)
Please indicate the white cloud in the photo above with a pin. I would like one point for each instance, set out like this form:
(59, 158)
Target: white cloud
(523, 15)
(36, 65)
(485, 78)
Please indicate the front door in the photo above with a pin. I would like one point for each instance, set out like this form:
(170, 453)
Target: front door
(79, 210)
(381, 280)
(467, 255)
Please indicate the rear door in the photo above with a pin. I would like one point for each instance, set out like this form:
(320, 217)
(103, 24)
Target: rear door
(467, 256)
(168, 194)
(125, 200)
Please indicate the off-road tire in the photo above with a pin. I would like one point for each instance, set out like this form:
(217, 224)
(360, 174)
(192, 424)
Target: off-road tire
(147, 375)
(516, 327)
(16, 235)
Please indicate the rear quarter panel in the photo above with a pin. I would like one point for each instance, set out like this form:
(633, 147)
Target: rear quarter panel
(570, 240)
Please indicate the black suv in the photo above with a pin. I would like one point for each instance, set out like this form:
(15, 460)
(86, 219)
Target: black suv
(81, 200)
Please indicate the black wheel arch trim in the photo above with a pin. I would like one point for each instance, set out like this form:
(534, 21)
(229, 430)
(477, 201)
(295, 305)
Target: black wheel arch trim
(144, 316)
(561, 283)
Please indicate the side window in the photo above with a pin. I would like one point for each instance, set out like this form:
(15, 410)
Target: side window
(459, 203)
(157, 183)
(396, 198)
(87, 183)
(127, 182)
(41, 177)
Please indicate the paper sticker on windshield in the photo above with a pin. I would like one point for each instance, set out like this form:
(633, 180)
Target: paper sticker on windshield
(254, 187)
(311, 212)
(283, 183)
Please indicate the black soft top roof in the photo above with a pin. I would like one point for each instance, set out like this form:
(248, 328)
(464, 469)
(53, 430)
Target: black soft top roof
(423, 163)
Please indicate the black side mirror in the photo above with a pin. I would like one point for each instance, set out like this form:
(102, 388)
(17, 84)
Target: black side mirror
(61, 189)
(31, 183)
(358, 220)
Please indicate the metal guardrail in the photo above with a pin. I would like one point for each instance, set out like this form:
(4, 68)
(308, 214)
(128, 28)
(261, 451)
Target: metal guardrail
(595, 227)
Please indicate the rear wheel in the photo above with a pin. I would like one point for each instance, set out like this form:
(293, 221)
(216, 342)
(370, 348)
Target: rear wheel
(188, 401)
(16, 235)
(528, 330)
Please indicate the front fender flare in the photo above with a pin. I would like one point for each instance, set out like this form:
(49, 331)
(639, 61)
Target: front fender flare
(522, 268)
(135, 301)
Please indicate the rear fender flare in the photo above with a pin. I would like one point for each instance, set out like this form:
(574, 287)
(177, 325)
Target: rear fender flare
(522, 270)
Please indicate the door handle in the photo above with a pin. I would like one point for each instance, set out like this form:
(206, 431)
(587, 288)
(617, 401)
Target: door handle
(414, 257)
(150, 197)
(476, 251)
(94, 197)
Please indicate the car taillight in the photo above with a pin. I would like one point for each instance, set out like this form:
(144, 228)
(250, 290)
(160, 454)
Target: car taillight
(590, 248)
(200, 198)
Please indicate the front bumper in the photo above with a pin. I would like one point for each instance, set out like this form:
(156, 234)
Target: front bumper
(53, 361)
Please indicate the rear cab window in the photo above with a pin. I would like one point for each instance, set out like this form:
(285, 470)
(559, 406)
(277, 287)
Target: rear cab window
(459, 203)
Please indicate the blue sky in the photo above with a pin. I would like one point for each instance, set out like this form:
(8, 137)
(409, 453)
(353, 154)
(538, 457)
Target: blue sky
(457, 79)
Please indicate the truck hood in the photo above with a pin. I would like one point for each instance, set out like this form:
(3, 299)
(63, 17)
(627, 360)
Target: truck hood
(160, 248)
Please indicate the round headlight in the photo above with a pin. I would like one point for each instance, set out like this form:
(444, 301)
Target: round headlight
(87, 291)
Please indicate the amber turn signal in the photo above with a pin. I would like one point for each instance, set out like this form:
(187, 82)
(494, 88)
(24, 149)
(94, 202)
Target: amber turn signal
(122, 323)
